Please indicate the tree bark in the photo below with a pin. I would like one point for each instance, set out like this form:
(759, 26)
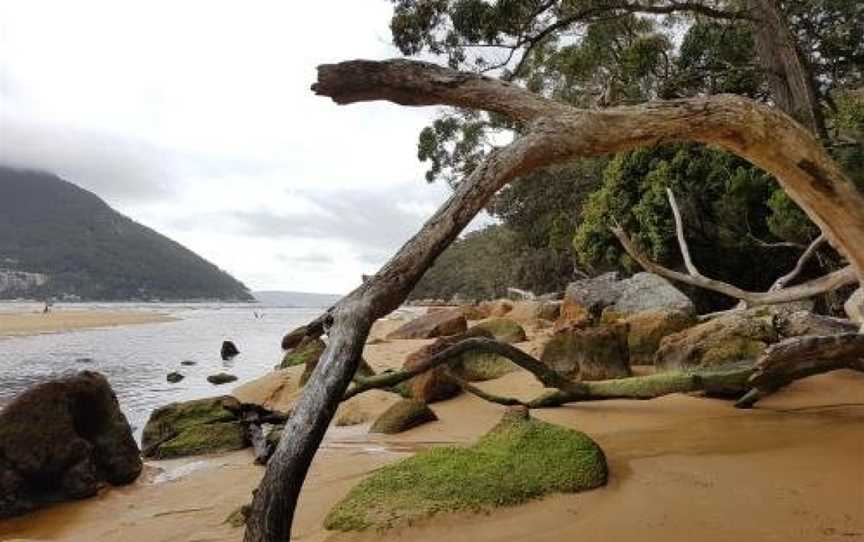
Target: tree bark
(555, 133)
(789, 77)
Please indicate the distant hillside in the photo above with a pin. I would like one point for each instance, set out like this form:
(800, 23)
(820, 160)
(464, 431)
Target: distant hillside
(275, 298)
(59, 240)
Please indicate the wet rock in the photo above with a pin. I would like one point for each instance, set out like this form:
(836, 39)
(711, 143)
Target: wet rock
(229, 350)
(221, 378)
(596, 353)
(430, 326)
(63, 439)
(734, 337)
(194, 427)
(188, 362)
(402, 416)
(504, 330)
(173, 377)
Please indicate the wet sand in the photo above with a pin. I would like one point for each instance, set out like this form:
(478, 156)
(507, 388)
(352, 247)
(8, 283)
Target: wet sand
(21, 323)
(682, 468)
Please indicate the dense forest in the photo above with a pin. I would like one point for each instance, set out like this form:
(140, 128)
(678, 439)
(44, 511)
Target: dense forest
(554, 224)
(54, 229)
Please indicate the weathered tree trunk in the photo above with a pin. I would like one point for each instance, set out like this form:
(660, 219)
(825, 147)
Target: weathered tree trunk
(555, 133)
(789, 77)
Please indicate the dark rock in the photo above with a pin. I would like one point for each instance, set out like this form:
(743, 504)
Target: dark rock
(584, 299)
(402, 416)
(221, 378)
(188, 362)
(596, 353)
(229, 350)
(194, 427)
(293, 338)
(63, 439)
(430, 326)
(174, 377)
(307, 350)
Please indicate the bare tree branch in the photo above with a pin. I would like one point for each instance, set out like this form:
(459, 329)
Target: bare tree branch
(781, 283)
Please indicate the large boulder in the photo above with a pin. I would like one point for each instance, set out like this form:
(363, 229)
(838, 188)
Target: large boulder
(585, 299)
(504, 330)
(63, 439)
(500, 307)
(734, 337)
(304, 351)
(430, 326)
(519, 460)
(530, 311)
(402, 416)
(596, 353)
(194, 427)
(650, 292)
(648, 328)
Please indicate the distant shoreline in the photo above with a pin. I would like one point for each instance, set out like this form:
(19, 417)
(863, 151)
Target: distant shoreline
(29, 320)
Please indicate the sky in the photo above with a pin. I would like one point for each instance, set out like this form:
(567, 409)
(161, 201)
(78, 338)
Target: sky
(195, 118)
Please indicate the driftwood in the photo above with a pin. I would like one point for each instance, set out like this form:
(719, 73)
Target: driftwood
(554, 133)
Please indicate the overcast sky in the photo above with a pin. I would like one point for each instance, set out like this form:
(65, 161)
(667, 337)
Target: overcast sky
(196, 119)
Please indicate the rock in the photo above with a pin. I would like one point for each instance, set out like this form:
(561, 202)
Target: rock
(504, 330)
(550, 310)
(475, 312)
(586, 299)
(276, 390)
(430, 326)
(433, 385)
(597, 353)
(229, 350)
(647, 329)
(482, 366)
(173, 377)
(221, 378)
(350, 414)
(650, 292)
(530, 311)
(307, 350)
(734, 337)
(194, 427)
(798, 324)
(854, 306)
(500, 308)
(188, 362)
(519, 460)
(402, 416)
(293, 338)
(63, 439)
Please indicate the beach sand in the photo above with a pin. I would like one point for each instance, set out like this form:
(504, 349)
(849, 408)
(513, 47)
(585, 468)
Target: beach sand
(683, 468)
(33, 322)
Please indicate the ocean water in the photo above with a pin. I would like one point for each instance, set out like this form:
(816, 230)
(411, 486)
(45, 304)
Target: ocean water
(136, 358)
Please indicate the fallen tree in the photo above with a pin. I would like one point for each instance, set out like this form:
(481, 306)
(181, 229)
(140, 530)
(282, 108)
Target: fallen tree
(554, 133)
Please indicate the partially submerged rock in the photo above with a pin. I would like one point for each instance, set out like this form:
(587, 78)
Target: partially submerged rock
(63, 439)
(521, 459)
(173, 377)
(734, 337)
(504, 330)
(229, 350)
(429, 326)
(596, 353)
(221, 378)
(402, 416)
(194, 427)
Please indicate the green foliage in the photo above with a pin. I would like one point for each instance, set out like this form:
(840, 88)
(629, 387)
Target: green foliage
(519, 460)
(50, 226)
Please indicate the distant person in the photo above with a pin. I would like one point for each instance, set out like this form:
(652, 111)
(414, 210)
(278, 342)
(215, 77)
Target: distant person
(47, 308)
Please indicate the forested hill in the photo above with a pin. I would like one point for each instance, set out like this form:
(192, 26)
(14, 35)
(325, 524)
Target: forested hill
(59, 240)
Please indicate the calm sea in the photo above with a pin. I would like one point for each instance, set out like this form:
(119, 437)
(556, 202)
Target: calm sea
(136, 358)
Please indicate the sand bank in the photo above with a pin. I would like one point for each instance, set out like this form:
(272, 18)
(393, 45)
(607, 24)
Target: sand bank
(21, 323)
(683, 468)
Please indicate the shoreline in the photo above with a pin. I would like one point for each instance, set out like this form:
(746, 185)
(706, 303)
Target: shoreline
(29, 322)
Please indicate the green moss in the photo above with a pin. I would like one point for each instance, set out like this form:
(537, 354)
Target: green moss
(172, 419)
(517, 461)
(480, 366)
(203, 439)
(733, 349)
(308, 349)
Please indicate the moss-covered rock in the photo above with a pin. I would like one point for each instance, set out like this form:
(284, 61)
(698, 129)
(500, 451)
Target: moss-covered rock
(504, 330)
(307, 349)
(194, 427)
(519, 460)
(596, 353)
(648, 328)
(481, 366)
(402, 416)
(738, 336)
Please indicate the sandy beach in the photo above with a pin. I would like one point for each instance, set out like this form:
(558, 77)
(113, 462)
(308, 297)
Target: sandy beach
(32, 321)
(682, 468)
